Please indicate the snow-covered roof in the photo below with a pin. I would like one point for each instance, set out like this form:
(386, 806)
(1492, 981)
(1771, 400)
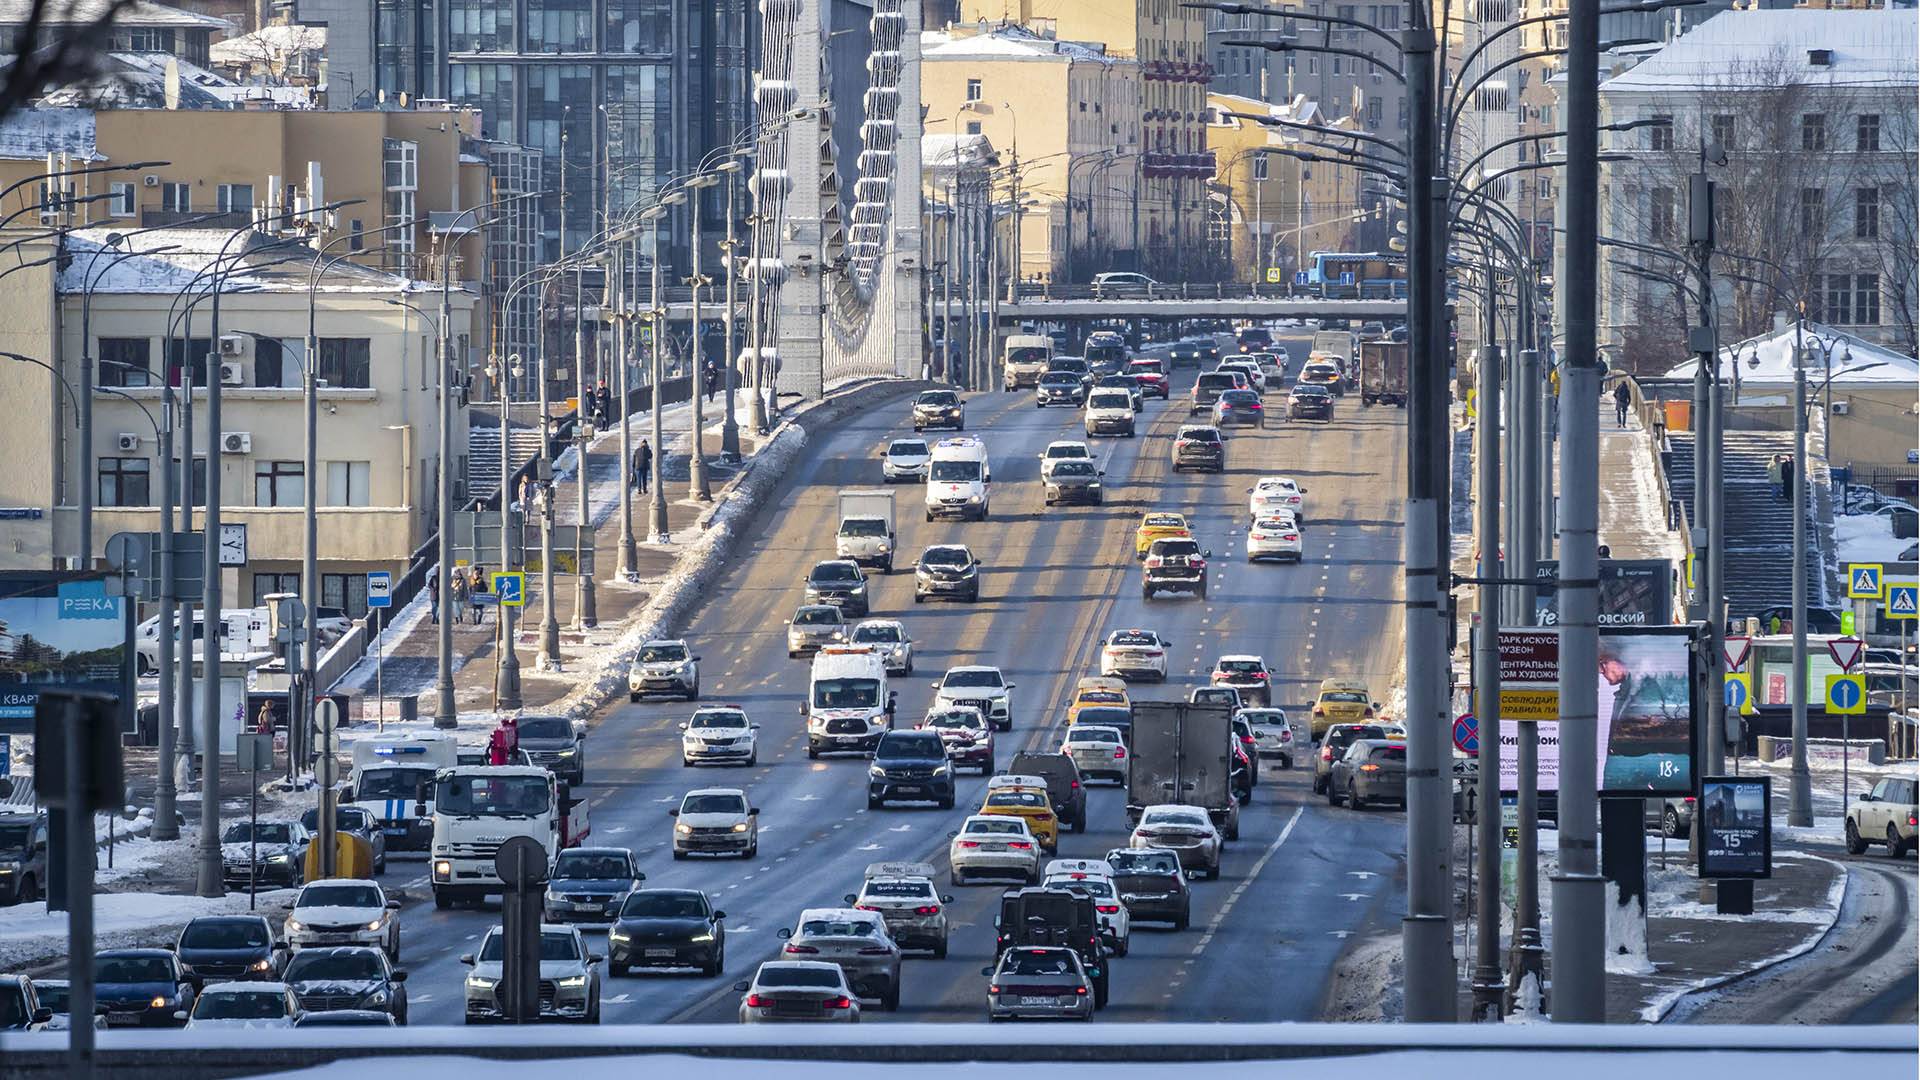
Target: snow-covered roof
(941, 150)
(136, 13)
(1864, 48)
(1007, 43)
(32, 134)
(139, 80)
(269, 42)
(1767, 360)
(270, 264)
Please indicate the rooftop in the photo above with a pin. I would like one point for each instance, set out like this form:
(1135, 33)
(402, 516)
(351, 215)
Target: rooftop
(1008, 43)
(1860, 48)
(1767, 360)
(33, 133)
(136, 13)
(269, 263)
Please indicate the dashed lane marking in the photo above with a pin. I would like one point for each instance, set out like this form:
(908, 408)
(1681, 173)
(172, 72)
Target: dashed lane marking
(1252, 875)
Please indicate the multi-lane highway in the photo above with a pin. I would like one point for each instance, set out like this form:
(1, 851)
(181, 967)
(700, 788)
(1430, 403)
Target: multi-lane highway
(1300, 879)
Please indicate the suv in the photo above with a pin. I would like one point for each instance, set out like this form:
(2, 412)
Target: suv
(664, 667)
(1887, 813)
(1208, 387)
(910, 765)
(1174, 564)
(1200, 446)
(556, 744)
(1054, 917)
(939, 408)
(947, 570)
(980, 687)
(1248, 674)
(1064, 789)
(23, 855)
(1152, 885)
(1372, 770)
(839, 582)
(1254, 339)
(716, 820)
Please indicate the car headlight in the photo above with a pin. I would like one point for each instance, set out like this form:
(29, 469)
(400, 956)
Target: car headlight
(481, 982)
(295, 926)
(260, 965)
(683, 830)
(160, 1001)
(942, 768)
(617, 934)
(568, 752)
(280, 858)
(921, 572)
(572, 982)
(374, 925)
(1095, 484)
(973, 498)
(9, 867)
(740, 826)
(378, 997)
(442, 869)
(701, 939)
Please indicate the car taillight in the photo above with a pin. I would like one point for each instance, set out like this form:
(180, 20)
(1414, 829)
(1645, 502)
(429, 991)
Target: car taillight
(1151, 652)
(1318, 711)
(1260, 675)
(1912, 820)
(1290, 536)
(1019, 845)
(838, 1003)
(927, 909)
(796, 949)
(1256, 405)
(1369, 767)
(1326, 753)
(875, 950)
(865, 907)
(969, 843)
(993, 988)
(1081, 990)
(1043, 816)
(755, 1001)
(1120, 753)
(1075, 783)
(1108, 909)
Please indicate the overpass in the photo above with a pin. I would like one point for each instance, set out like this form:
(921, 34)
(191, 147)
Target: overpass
(1211, 300)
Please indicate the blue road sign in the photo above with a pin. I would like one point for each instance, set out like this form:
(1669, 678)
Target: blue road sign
(510, 589)
(1903, 602)
(1864, 581)
(1846, 695)
(1736, 694)
(1466, 733)
(1300, 277)
(379, 588)
(6, 755)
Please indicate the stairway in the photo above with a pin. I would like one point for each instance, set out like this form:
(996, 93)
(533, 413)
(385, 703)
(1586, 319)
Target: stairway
(483, 453)
(1759, 530)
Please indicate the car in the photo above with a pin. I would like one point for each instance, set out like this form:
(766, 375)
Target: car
(1270, 363)
(1060, 388)
(1673, 817)
(1183, 354)
(226, 948)
(1121, 380)
(589, 884)
(675, 928)
(1341, 701)
(1225, 696)
(1275, 536)
(23, 857)
(813, 627)
(1200, 447)
(1334, 743)
(556, 744)
(902, 894)
(359, 822)
(1246, 752)
(719, 735)
(993, 845)
(1887, 813)
(1075, 482)
(1109, 412)
(1097, 691)
(1373, 330)
(905, 460)
(1122, 283)
(1272, 733)
(348, 977)
(1273, 494)
(1152, 885)
(978, 686)
(1093, 879)
(1209, 385)
(20, 1006)
(947, 570)
(1209, 349)
(839, 582)
(344, 911)
(910, 765)
(1324, 373)
(1064, 789)
(1177, 565)
(788, 991)
(1250, 367)
(1246, 673)
(1024, 797)
(1252, 339)
(664, 667)
(967, 735)
(1097, 750)
(141, 987)
(344, 1018)
(54, 995)
(855, 940)
(1310, 402)
(1076, 365)
(1062, 450)
(565, 964)
(1151, 377)
(1134, 654)
(242, 1005)
(716, 821)
(1158, 525)
(939, 409)
(1042, 982)
(890, 639)
(264, 854)
(1184, 830)
(1239, 408)
(1372, 770)
(1042, 916)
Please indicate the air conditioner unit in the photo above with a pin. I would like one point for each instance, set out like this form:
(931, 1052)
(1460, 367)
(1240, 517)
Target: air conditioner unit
(150, 180)
(231, 374)
(126, 440)
(236, 442)
(1842, 408)
(233, 345)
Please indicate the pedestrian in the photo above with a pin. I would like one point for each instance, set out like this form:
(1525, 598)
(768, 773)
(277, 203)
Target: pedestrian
(458, 603)
(1773, 475)
(1622, 397)
(602, 405)
(526, 494)
(642, 467)
(711, 373)
(263, 724)
(433, 596)
(1786, 477)
(476, 588)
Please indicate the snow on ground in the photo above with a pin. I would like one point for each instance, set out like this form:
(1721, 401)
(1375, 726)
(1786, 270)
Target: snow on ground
(1868, 538)
(30, 936)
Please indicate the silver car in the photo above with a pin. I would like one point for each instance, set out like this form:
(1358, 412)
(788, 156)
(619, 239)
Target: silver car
(994, 846)
(1272, 733)
(797, 991)
(856, 940)
(1184, 830)
(664, 667)
(569, 977)
(1097, 751)
(813, 627)
(905, 459)
(914, 911)
(890, 639)
(1039, 983)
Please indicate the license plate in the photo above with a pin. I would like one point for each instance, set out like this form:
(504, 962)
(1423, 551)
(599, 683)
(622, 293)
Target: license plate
(122, 1019)
(1036, 1001)
(660, 953)
(993, 847)
(579, 906)
(395, 830)
(907, 789)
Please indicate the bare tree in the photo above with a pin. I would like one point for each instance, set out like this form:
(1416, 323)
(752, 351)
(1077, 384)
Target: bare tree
(1899, 247)
(58, 42)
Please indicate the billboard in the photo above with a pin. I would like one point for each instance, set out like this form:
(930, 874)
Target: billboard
(1649, 684)
(61, 630)
(1633, 592)
(1736, 831)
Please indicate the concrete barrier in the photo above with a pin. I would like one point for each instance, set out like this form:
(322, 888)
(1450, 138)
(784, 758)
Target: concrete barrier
(1824, 753)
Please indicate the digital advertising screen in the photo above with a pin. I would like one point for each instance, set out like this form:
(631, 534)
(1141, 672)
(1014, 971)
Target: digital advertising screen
(60, 631)
(1736, 832)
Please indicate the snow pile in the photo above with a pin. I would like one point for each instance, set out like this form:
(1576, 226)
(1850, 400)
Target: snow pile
(1626, 936)
(1868, 538)
(1528, 1006)
(30, 935)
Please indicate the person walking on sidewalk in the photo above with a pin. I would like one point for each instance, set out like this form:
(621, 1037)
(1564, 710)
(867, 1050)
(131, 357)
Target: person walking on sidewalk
(1786, 478)
(433, 596)
(1622, 398)
(457, 605)
(476, 588)
(263, 723)
(711, 373)
(642, 467)
(602, 405)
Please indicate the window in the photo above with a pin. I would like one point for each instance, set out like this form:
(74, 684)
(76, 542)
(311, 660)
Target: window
(1259, 167)
(347, 483)
(199, 479)
(276, 362)
(348, 592)
(345, 362)
(265, 585)
(1544, 189)
(124, 482)
(1374, 109)
(1813, 131)
(121, 205)
(973, 127)
(1660, 135)
(1813, 213)
(279, 483)
(1660, 213)
(1723, 130)
(1853, 299)
(1866, 213)
(176, 197)
(188, 353)
(1866, 133)
(973, 89)
(236, 198)
(125, 362)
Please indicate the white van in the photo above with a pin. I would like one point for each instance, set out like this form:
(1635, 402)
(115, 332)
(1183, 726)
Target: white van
(848, 705)
(1109, 412)
(390, 773)
(1025, 359)
(959, 480)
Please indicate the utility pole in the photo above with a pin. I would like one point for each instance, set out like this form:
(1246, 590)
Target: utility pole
(165, 823)
(1489, 988)
(622, 304)
(697, 484)
(730, 426)
(1800, 798)
(1706, 457)
(549, 626)
(506, 692)
(584, 615)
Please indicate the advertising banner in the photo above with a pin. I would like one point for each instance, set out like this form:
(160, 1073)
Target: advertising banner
(1736, 830)
(1633, 592)
(1530, 674)
(60, 630)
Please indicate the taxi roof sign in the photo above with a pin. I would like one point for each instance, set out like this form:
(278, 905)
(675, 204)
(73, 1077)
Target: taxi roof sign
(900, 870)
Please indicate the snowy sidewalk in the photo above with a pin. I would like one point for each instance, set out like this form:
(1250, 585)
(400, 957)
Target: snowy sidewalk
(1633, 512)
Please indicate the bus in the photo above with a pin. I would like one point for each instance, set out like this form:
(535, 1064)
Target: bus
(1379, 275)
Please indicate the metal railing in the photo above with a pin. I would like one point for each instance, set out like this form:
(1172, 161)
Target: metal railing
(1212, 290)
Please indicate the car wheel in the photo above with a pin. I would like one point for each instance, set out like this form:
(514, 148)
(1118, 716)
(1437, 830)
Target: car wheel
(711, 967)
(441, 901)
(753, 758)
(1353, 798)
(1185, 919)
(1333, 793)
(1080, 822)
(873, 803)
(891, 1002)
(946, 803)
(1126, 944)
(940, 950)
(959, 878)
(686, 762)
(693, 692)
(813, 752)
(616, 970)
(1896, 847)
(678, 854)
(633, 699)
(917, 598)
(1856, 844)
(1670, 824)
(593, 1012)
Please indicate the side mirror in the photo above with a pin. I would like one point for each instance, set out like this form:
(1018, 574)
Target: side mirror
(951, 833)
(675, 812)
(801, 708)
(393, 905)
(595, 958)
(740, 987)
(398, 975)
(420, 808)
(1011, 685)
(987, 971)
(179, 1014)
(718, 915)
(753, 811)
(1865, 796)
(683, 727)
(696, 659)
(850, 898)
(1207, 553)
(946, 898)
(783, 933)
(467, 959)
(1377, 705)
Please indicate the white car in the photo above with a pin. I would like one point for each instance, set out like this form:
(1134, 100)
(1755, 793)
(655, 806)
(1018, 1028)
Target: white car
(664, 667)
(1271, 493)
(983, 688)
(1275, 535)
(1097, 751)
(989, 845)
(1063, 450)
(720, 734)
(344, 911)
(1116, 926)
(1134, 654)
(716, 820)
(1272, 733)
(1256, 379)
(243, 1005)
(1184, 830)
(565, 965)
(905, 459)
(889, 638)
(1109, 411)
(1122, 283)
(798, 990)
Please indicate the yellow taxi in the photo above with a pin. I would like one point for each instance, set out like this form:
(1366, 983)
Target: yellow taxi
(1158, 526)
(1340, 701)
(1024, 797)
(1098, 691)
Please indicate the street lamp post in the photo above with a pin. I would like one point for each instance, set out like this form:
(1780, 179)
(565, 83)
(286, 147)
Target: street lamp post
(730, 427)
(697, 483)
(585, 613)
(506, 687)
(658, 531)
(622, 338)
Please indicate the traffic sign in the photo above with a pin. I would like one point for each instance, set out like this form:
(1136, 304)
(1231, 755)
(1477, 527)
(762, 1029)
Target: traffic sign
(1846, 651)
(511, 588)
(1735, 649)
(379, 588)
(1738, 693)
(1903, 601)
(1846, 695)
(1273, 275)
(1865, 581)
(1466, 733)
(1300, 277)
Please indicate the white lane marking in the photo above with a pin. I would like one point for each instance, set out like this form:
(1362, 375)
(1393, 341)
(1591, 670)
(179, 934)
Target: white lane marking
(1341, 934)
(617, 999)
(901, 828)
(1353, 896)
(1361, 873)
(806, 798)
(1241, 889)
(868, 847)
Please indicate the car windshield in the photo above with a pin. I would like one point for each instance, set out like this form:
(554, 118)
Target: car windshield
(1200, 435)
(130, 969)
(1073, 468)
(1174, 817)
(1240, 397)
(1060, 378)
(663, 654)
(938, 397)
(1388, 753)
(863, 527)
(817, 616)
(664, 905)
(808, 978)
(899, 888)
(573, 864)
(266, 832)
(313, 965)
(1102, 697)
(1017, 799)
(1340, 737)
(241, 1005)
(876, 633)
(904, 746)
(1143, 862)
(1242, 667)
(1132, 637)
(545, 727)
(13, 837)
(1145, 367)
(946, 556)
(714, 804)
(552, 947)
(834, 572)
(1069, 450)
(222, 934)
(1311, 390)
(956, 721)
(493, 796)
(1176, 547)
(1222, 694)
(1120, 400)
(1085, 886)
(963, 677)
(382, 784)
(996, 827)
(363, 896)
(54, 994)
(1264, 717)
(846, 693)
(837, 926)
(1027, 354)
(956, 472)
(1345, 697)
(1069, 364)
(1039, 962)
(718, 718)
(1107, 715)
(907, 448)
(348, 818)
(1080, 733)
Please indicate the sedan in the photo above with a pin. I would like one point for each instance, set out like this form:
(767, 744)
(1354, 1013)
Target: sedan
(1272, 733)
(564, 962)
(1239, 408)
(141, 987)
(1152, 885)
(677, 928)
(1272, 494)
(716, 820)
(1275, 536)
(1134, 654)
(905, 460)
(939, 408)
(721, 735)
(243, 1005)
(857, 941)
(355, 977)
(990, 845)
(813, 627)
(1097, 750)
(1060, 388)
(357, 821)
(798, 990)
(264, 854)
(947, 570)
(890, 639)
(1310, 402)
(1151, 376)
(1039, 983)
(341, 911)
(1184, 830)
(223, 948)
(1075, 482)
(588, 884)
(967, 735)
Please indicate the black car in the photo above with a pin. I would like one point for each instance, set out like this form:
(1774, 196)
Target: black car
(1060, 388)
(1310, 401)
(910, 765)
(1184, 354)
(352, 977)
(141, 987)
(1151, 885)
(939, 409)
(1054, 917)
(228, 948)
(839, 582)
(1075, 365)
(588, 884)
(23, 857)
(1254, 339)
(1064, 789)
(360, 822)
(264, 854)
(1199, 446)
(1208, 387)
(667, 928)
(1209, 351)
(20, 1008)
(1174, 564)
(557, 745)
(947, 570)
(1242, 407)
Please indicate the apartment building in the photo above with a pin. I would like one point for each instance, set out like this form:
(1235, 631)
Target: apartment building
(1273, 208)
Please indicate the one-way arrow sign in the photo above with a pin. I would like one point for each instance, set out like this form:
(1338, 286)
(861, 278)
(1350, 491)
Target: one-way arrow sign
(1846, 651)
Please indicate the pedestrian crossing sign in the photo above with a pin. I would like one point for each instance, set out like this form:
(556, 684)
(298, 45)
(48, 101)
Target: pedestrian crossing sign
(511, 588)
(1902, 602)
(1273, 275)
(1865, 581)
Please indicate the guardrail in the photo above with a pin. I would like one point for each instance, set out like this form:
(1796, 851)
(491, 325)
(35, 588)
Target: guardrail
(1210, 290)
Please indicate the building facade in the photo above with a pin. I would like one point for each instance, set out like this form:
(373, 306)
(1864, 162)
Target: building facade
(1275, 209)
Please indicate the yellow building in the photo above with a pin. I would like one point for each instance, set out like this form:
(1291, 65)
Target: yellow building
(1272, 207)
